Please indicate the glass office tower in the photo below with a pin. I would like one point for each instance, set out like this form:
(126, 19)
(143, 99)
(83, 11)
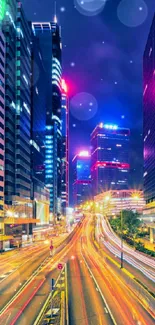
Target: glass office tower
(38, 111)
(23, 106)
(109, 158)
(50, 42)
(2, 122)
(82, 178)
(149, 116)
(65, 147)
(9, 30)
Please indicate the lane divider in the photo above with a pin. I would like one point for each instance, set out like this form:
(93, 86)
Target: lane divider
(96, 283)
(42, 312)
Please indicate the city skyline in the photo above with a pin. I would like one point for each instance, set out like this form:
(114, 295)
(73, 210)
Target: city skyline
(109, 89)
(77, 213)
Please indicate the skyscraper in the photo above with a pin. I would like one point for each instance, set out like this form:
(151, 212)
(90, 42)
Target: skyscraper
(38, 111)
(149, 116)
(109, 158)
(2, 121)
(9, 29)
(82, 178)
(23, 106)
(65, 146)
(50, 42)
(17, 183)
(18, 99)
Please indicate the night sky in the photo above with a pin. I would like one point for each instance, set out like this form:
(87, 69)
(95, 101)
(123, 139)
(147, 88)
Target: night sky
(103, 44)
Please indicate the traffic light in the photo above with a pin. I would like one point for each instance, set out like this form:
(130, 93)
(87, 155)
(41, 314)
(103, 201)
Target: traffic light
(2, 9)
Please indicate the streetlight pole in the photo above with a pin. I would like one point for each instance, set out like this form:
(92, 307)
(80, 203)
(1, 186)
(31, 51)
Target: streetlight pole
(121, 239)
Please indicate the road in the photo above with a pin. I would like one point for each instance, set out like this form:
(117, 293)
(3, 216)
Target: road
(124, 305)
(96, 290)
(86, 305)
(30, 285)
(140, 265)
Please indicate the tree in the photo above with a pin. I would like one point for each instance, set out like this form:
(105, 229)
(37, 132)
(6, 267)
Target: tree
(130, 222)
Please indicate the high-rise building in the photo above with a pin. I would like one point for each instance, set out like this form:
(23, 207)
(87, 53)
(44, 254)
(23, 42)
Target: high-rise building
(2, 124)
(18, 100)
(38, 111)
(109, 158)
(9, 29)
(65, 146)
(17, 184)
(82, 178)
(23, 106)
(50, 42)
(149, 117)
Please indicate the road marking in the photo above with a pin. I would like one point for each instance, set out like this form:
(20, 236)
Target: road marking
(111, 315)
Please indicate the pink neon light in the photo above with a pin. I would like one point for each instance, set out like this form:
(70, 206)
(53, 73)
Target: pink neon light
(110, 165)
(82, 182)
(64, 85)
(145, 89)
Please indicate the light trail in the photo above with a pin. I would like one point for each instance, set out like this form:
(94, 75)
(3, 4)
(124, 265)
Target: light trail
(110, 234)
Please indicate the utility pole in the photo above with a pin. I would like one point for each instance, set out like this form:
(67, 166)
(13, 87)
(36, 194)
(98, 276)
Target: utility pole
(121, 239)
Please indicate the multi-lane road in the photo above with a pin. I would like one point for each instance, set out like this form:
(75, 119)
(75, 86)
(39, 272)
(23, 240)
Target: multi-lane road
(97, 294)
(97, 291)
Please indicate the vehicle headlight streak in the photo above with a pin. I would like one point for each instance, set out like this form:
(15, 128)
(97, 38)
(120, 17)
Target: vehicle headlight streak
(150, 274)
(117, 241)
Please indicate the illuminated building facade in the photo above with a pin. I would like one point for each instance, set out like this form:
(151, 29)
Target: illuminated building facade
(9, 30)
(115, 201)
(2, 123)
(82, 178)
(149, 117)
(23, 106)
(109, 158)
(41, 198)
(18, 100)
(50, 43)
(38, 111)
(65, 147)
(17, 179)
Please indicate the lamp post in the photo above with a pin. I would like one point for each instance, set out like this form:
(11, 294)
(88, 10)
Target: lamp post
(121, 238)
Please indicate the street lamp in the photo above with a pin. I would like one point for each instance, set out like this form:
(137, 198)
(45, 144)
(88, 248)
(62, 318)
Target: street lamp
(121, 198)
(121, 238)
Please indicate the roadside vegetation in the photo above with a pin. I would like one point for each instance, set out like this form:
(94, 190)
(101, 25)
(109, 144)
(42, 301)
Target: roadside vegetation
(131, 230)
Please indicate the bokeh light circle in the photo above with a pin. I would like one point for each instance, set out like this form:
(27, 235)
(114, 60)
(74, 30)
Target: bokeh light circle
(90, 7)
(132, 13)
(83, 106)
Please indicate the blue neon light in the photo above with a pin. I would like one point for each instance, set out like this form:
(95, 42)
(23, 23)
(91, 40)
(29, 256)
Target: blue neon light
(111, 126)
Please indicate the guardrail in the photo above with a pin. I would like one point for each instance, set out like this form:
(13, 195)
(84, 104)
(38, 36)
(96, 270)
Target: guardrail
(63, 303)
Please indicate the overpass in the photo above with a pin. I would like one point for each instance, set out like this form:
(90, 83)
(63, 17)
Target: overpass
(149, 221)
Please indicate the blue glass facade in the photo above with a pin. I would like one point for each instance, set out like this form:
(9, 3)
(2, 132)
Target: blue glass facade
(18, 102)
(83, 169)
(149, 116)
(82, 179)
(109, 158)
(38, 111)
(64, 153)
(50, 43)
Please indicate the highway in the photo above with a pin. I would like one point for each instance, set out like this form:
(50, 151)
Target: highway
(123, 304)
(30, 284)
(97, 293)
(142, 266)
(85, 303)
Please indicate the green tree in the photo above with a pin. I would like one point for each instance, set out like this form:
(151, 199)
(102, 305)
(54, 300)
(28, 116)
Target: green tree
(130, 222)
